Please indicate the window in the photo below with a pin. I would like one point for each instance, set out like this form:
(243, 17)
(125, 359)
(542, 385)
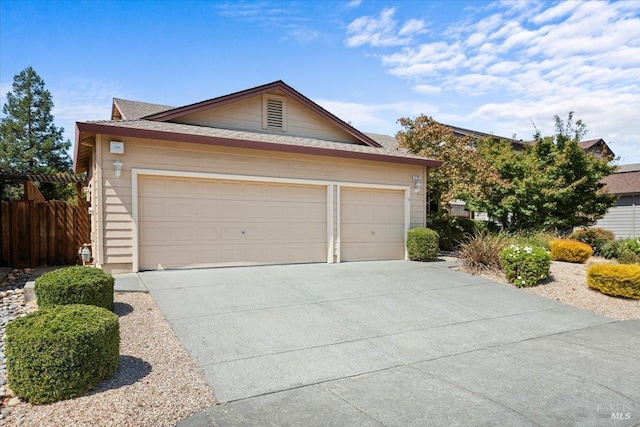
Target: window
(274, 113)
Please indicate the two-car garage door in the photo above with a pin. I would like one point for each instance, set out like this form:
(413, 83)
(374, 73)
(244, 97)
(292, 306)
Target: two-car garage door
(189, 222)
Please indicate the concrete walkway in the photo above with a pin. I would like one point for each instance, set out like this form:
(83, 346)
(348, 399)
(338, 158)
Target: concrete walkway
(395, 343)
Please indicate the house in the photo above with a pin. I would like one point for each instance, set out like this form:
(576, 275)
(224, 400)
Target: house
(623, 219)
(597, 147)
(261, 176)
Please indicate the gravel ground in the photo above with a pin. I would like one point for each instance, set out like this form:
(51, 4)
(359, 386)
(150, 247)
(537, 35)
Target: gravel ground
(567, 283)
(156, 384)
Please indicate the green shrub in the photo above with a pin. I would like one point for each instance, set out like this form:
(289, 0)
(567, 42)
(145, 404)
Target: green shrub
(59, 353)
(525, 266)
(629, 251)
(598, 238)
(535, 238)
(570, 250)
(75, 285)
(422, 244)
(612, 249)
(481, 252)
(633, 245)
(453, 231)
(615, 279)
(626, 251)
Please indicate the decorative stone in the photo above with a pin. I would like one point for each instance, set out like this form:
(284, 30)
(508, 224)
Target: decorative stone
(14, 401)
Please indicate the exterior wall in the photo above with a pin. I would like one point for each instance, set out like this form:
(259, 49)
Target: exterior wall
(114, 239)
(247, 115)
(624, 219)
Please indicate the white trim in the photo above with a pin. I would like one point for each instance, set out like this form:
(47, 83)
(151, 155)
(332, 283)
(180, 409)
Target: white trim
(338, 222)
(134, 218)
(330, 242)
(135, 172)
(407, 219)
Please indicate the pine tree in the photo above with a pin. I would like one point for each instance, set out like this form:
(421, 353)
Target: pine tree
(29, 140)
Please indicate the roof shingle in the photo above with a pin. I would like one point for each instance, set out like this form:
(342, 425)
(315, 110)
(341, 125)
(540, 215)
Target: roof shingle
(623, 181)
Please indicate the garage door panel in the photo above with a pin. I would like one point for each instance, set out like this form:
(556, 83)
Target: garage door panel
(372, 224)
(151, 208)
(202, 223)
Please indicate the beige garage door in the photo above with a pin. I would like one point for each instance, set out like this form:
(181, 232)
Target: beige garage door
(371, 224)
(187, 223)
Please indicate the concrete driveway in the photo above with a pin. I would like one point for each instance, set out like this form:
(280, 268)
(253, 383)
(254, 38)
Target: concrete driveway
(395, 343)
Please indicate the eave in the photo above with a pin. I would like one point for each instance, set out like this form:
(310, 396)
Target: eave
(86, 130)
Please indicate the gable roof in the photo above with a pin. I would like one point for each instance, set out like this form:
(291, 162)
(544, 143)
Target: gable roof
(165, 116)
(152, 121)
(625, 181)
(132, 110)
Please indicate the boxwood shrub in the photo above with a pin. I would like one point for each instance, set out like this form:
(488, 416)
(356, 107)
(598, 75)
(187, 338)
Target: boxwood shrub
(570, 250)
(75, 285)
(59, 353)
(525, 266)
(615, 279)
(422, 244)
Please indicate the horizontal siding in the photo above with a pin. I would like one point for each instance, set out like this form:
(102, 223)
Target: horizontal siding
(623, 221)
(147, 154)
(247, 115)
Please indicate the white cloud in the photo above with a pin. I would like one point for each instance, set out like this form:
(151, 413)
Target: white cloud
(4, 88)
(412, 26)
(382, 30)
(353, 4)
(562, 9)
(512, 62)
(375, 117)
(271, 15)
(82, 100)
(427, 89)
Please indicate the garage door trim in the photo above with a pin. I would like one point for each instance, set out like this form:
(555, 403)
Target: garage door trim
(331, 188)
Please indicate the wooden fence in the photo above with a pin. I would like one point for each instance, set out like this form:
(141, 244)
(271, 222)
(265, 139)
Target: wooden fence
(36, 233)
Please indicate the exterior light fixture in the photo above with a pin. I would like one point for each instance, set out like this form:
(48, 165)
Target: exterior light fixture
(117, 167)
(85, 253)
(417, 182)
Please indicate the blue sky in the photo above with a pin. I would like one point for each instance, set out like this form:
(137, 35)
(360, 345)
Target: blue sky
(498, 67)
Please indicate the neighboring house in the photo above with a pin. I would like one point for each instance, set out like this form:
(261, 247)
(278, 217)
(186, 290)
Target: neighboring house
(516, 144)
(598, 147)
(261, 176)
(623, 219)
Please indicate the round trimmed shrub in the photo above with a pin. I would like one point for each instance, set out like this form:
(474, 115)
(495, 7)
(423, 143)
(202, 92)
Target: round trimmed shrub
(598, 238)
(621, 280)
(75, 285)
(570, 250)
(422, 244)
(59, 353)
(525, 266)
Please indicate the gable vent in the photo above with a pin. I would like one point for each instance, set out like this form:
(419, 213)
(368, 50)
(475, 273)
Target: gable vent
(274, 114)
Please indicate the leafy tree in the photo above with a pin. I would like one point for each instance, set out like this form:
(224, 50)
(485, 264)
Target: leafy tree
(29, 140)
(464, 174)
(553, 185)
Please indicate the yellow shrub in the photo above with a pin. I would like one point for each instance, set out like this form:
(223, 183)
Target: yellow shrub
(615, 279)
(570, 250)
